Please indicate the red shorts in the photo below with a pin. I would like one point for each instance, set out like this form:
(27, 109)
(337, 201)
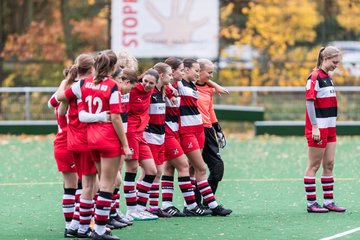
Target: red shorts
(139, 146)
(326, 136)
(84, 162)
(322, 143)
(192, 141)
(158, 153)
(172, 147)
(106, 153)
(64, 159)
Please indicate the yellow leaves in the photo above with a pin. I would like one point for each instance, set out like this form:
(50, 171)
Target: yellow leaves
(282, 23)
(91, 2)
(9, 81)
(230, 32)
(226, 11)
(349, 16)
(104, 12)
(274, 27)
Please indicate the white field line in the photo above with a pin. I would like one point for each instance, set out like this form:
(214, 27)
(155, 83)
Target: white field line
(342, 234)
(280, 179)
(30, 183)
(224, 180)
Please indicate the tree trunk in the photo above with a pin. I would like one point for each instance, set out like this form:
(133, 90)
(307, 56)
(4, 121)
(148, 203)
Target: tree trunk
(67, 29)
(2, 40)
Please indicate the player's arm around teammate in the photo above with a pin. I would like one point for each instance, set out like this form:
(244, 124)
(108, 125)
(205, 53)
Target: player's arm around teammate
(214, 137)
(192, 133)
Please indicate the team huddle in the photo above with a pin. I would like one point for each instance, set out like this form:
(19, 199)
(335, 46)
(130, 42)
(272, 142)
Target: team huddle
(162, 121)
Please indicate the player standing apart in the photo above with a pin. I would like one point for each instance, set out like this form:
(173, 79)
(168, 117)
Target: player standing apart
(320, 130)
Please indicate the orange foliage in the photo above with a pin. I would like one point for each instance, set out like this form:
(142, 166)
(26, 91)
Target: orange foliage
(92, 31)
(41, 41)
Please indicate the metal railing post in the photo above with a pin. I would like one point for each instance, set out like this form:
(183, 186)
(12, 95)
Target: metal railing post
(27, 103)
(254, 98)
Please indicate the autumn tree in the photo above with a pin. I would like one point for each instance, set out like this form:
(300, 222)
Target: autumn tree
(287, 36)
(52, 40)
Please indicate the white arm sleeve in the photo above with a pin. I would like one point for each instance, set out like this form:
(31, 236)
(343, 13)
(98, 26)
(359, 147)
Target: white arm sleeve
(310, 107)
(90, 117)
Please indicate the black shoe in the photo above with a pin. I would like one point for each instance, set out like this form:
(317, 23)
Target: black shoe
(205, 207)
(220, 211)
(113, 224)
(160, 213)
(106, 236)
(173, 211)
(197, 211)
(70, 233)
(87, 234)
(123, 220)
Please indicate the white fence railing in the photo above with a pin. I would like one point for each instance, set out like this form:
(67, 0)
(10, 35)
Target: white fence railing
(280, 103)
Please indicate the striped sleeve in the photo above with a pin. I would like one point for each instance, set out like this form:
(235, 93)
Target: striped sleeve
(115, 100)
(75, 91)
(312, 87)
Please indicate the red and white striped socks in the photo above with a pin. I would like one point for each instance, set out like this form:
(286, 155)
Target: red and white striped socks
(310, 189)
(327, 183)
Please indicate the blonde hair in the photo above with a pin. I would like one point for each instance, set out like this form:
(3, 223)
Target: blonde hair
(161, 67)
(203, 62)
(130, 61)
(327, 52)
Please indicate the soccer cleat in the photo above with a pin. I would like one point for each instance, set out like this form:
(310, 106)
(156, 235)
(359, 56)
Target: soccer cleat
(113, 224)
(173, 211)
(140, 216)
(87, 234)
(334, 208)
(106, 236)
(148, 215)
(220, 211)
(123, 219)
(316, 208)
(70, 233)
(160, 213)
(197, 211)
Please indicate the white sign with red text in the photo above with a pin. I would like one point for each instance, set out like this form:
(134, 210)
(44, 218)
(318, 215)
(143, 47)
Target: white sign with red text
(163, 28)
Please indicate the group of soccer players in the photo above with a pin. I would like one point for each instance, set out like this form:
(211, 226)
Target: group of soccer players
(109, 116)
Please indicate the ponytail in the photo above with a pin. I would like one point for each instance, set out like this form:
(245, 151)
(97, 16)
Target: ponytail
(320, 58)
(104, 64)
(71, 74)
(101, 65)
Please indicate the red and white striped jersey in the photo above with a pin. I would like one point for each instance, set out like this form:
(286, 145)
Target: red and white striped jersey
(320, 88)
(190, 118)
(155, 131)
(172, 116)
(77, 131)
(125, 98)
(98, 98)
(61, 135)
(53, 102)
(138, 115)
